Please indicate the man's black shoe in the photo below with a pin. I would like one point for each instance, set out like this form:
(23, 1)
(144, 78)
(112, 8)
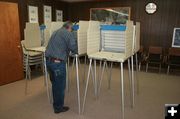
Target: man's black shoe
(65, 109)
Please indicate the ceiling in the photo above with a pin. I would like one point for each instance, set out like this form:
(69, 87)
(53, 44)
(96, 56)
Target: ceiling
(83, 0)
(76, 0)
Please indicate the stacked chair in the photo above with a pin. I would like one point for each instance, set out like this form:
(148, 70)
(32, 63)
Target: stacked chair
(32, 39)
(35, 58)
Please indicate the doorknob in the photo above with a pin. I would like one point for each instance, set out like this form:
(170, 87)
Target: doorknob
(19, 46)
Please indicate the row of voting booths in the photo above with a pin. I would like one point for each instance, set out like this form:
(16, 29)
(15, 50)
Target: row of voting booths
(103, 43)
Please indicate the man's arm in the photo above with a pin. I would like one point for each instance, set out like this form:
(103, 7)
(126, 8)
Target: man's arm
(73, 43)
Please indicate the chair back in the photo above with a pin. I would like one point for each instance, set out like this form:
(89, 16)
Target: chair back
(155, 50)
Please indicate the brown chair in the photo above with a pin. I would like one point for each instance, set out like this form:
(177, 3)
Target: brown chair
(141, 57)
(154, 56)
(173, 58)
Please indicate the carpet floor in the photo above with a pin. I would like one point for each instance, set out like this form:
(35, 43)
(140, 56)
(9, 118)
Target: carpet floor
(153, 91)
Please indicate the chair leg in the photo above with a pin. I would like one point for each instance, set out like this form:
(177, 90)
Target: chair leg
(160, 68)
(140, 66)
(147, 64)
(168, 69)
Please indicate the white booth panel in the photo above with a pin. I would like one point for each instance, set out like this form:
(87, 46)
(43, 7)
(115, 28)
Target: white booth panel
(129, 38)
(82, 37)
(50, 28)
(137, 39)
(93, 37)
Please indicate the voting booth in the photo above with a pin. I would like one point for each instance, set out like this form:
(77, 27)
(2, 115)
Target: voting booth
(110, 43)
(80, 32)
(50, 28)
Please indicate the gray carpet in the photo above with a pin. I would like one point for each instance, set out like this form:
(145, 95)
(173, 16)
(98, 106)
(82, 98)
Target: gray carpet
(155, 90)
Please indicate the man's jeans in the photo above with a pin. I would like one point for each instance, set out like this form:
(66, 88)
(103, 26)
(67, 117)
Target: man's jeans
(57, 73)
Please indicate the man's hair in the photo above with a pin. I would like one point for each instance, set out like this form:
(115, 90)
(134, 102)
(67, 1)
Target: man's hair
(68, 24)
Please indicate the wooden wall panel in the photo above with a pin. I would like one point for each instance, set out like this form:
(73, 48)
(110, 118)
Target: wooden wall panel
(156, 29)
(23, 10)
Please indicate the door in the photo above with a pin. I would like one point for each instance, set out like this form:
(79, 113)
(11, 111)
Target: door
(11, 68)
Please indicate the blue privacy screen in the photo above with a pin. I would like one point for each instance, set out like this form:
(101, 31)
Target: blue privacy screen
(113, 27)
(75, 27)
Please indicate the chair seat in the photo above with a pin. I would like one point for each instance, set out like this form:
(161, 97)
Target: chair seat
(33, 54)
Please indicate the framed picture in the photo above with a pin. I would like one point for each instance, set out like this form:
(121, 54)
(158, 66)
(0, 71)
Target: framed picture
(47, 14)
(33, 14)
(59, 15)
(114, 15)
(176, 38)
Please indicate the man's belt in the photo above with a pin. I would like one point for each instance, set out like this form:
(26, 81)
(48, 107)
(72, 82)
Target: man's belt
(52, 59)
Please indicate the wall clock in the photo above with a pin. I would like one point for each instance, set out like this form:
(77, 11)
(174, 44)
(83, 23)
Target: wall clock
(151, 8)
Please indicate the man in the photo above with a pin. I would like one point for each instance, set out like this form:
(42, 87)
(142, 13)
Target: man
(61, 43)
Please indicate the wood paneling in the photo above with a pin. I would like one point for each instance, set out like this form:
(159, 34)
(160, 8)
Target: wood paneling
(23, 10)
(156, 29)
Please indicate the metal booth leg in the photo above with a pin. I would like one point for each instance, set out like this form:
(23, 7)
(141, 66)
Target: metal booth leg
(132, 67)
(46, 79)
(67, 75)
(100, 83)
(130, 78)
(95, 79)
(72, 68)
(122, 89)
(110, 76)
(137, 71)
(100, 66)
(77, 81)
(79, 64)
(87, 83)
(108, 73)
(85, 60)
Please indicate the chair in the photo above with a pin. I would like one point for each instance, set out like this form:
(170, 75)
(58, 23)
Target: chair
(154, 56)
(173, 58)
(141, 57)
(34, 58)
